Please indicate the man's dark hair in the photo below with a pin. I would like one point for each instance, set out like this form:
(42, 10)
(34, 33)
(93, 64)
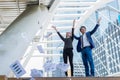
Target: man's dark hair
(82, 27)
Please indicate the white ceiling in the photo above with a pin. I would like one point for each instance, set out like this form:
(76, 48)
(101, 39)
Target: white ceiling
(9, 11)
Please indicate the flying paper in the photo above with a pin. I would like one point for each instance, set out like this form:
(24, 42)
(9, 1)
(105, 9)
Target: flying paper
(17, 68)
(40, 48)
(63, 66)
(36, 73)
(49, 66)
(48, 35)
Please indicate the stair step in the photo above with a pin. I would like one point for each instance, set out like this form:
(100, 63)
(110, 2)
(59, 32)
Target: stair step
(71, 78)
(2, 77)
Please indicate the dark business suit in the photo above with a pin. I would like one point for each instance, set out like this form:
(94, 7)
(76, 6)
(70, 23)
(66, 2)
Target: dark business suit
(87, 51)
(67, 51)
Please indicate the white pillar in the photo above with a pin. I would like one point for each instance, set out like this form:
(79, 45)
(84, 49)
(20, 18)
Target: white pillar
(16, 38)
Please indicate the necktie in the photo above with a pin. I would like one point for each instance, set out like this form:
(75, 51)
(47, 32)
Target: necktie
(82, 41)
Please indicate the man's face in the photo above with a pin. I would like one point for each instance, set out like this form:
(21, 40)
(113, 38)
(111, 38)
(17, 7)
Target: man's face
(82, 30)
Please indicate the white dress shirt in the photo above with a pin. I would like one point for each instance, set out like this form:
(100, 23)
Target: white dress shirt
(85, 41)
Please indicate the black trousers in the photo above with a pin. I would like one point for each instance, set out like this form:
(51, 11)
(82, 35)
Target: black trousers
(68, 53)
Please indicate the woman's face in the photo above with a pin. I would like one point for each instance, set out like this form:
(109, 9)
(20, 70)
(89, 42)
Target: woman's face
(68, 34)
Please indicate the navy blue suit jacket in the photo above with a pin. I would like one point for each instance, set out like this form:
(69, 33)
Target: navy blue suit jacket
(88, 34)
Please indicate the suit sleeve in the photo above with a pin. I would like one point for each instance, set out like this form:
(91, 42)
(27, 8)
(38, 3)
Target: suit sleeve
(61, 36)
(76, 37)
(72, 33)
(73, 36)
(94, 30)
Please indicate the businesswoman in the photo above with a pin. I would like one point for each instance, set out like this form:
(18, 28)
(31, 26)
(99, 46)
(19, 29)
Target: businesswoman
(68, 47)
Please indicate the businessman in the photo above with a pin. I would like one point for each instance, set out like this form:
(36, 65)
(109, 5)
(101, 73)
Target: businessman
(85, 46)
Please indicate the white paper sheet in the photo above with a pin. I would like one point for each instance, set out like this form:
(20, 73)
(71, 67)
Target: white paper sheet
(40, 48)
(63, 66)
(48, 35)
(36, 73)
(17, 69)
(32, 78)
(49, 66)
